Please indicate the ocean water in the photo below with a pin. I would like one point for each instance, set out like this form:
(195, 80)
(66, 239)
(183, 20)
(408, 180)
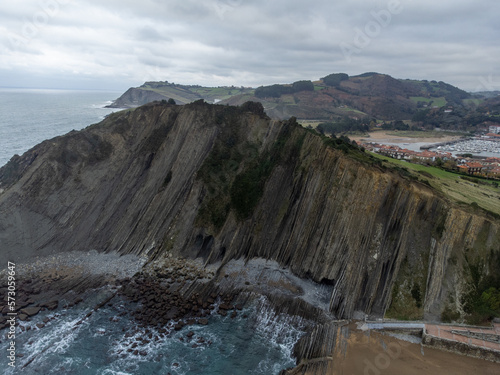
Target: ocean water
(30, 116)
(260, 343)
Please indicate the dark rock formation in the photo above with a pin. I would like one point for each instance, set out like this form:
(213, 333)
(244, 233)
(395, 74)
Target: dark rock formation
(314, 352)
(30, 311)
(222, 183)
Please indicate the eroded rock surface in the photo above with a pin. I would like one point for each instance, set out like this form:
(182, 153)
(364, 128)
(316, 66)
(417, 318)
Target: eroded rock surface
(222, 183)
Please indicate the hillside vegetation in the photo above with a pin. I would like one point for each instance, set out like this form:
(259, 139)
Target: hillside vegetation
(369, 96)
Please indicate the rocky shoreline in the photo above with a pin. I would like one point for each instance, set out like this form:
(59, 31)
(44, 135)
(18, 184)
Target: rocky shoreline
(171, 294)
(167, 294)
(61, 281)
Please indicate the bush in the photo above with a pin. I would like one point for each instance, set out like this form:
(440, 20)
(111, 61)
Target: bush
(448, 315)
(254, 107)
(345, 124)
(482, 303)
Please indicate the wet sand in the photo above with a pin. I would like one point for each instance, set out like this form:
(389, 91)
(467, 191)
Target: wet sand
(383, 136)
(374, 353)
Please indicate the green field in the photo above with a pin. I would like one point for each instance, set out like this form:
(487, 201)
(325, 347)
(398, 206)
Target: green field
(186, 94)
(486, 196)
(439, 102)
(312, 123)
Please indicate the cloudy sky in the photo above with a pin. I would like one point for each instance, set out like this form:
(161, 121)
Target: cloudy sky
(115, 44)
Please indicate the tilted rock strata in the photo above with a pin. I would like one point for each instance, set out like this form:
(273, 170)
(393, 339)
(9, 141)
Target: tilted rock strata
(140, 182)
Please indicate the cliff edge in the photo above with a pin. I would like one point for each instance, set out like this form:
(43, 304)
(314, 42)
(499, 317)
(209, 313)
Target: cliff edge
(224, 183)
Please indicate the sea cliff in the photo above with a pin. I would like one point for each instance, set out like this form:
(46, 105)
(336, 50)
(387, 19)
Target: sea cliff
(224, 183)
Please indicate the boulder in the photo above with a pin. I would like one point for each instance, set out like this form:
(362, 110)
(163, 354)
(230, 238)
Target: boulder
(50, 305)
(30, 311)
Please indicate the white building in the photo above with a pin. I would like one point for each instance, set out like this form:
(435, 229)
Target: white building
(495, 129)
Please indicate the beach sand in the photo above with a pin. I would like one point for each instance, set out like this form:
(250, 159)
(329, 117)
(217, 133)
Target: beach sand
(383, 136)
(374, 353)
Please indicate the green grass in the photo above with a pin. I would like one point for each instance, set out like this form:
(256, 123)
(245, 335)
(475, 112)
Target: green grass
(451, 185)
(176, 93)
(190, 93)
(312, 123)
(440, 102)
(420, 99)
(220, 92)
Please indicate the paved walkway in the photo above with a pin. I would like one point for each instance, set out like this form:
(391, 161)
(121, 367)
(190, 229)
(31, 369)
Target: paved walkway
(391, 325)
(483, 337)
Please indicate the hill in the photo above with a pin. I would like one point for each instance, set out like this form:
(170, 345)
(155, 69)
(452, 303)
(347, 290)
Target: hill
(367, 95)
(182, 94)
(371, 95)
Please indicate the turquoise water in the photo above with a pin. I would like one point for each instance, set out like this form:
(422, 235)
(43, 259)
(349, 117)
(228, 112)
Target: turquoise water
(260, 343)
(30, 116)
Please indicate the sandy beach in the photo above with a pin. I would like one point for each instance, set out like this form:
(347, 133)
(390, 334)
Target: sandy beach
(384, 136)
(373, 353)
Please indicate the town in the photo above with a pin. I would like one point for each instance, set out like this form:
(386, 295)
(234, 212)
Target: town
(460, 156)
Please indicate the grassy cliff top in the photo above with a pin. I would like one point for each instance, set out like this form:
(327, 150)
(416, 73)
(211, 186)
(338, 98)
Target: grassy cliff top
(471, 191)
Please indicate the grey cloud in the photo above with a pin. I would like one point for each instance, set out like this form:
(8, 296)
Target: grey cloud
(150, 34)
(257, 42)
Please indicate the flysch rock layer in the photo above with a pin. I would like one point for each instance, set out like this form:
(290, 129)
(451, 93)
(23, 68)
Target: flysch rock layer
(161, 179)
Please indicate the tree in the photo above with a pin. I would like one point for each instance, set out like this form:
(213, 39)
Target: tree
(400, 125)
(335, 79)
(273, 91)
(254, 107)
(303, 86)
(171, 101)
(420, 116)
(450, 164)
